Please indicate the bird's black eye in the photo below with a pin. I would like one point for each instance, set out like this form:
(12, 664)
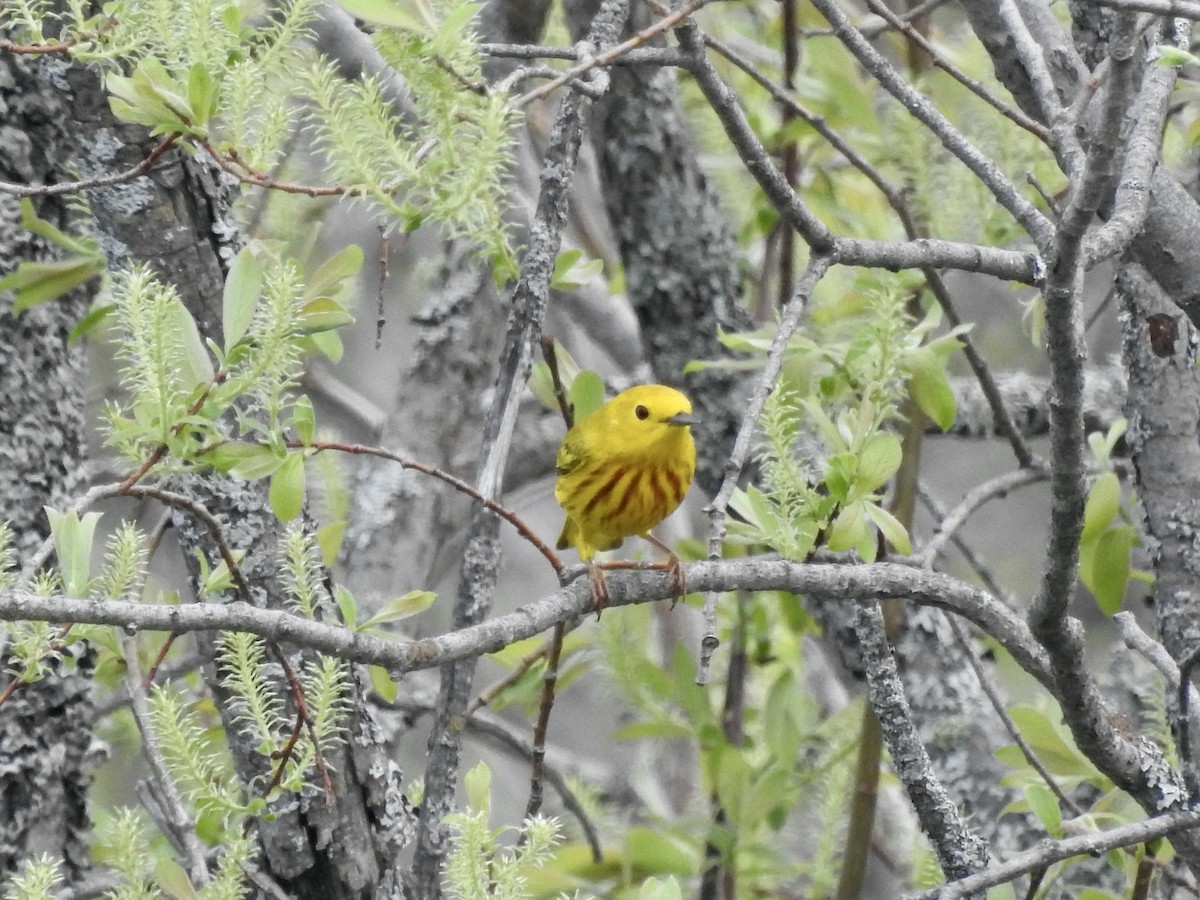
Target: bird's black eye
(641, 412)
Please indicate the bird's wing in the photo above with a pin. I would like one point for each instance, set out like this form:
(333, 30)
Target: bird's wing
(570, 454)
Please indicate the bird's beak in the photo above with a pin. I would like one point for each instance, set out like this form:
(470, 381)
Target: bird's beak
(683, 419)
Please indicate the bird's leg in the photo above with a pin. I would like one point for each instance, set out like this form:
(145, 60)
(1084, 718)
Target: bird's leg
(674, 568)
(599, 587)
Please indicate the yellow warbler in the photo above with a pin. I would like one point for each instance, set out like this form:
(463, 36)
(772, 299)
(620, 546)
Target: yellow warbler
(622, 470)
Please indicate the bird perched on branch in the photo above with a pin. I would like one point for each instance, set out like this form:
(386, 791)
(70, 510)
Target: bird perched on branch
(622, 470)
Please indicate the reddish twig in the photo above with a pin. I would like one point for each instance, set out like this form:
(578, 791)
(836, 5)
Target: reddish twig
(549, 684)
(160, 451)
(232, 163)
(284, 755)
(148, 679)
(613, 53)
(302, 711)
(457, 483)
(71, 187)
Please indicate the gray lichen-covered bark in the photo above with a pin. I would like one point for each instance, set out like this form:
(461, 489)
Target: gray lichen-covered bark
(1164, 441)
(177, 221)
(344, 846)
(47, 751)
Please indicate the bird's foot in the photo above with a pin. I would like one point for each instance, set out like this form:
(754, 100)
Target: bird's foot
(599, 588)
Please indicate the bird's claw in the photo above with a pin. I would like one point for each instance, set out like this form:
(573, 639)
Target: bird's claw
(599, 588)
(678, 583)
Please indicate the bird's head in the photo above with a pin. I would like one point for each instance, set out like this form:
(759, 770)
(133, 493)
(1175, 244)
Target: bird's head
(649, 415)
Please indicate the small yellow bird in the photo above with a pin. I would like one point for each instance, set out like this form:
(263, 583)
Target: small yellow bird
(622, 470)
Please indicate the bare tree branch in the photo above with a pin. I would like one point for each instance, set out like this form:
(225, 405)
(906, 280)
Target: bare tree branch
(960, 851)
(1050, 851)
(824, 582)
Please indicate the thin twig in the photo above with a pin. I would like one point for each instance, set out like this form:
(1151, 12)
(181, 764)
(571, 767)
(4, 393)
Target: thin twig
(87, 184)
(978, 88)
(978, 566)
(1186, 698)
(232, 163)
(1036, 225)
(988, 684)
(992, 489)
(549, 684)
(523, 665)
(613, 53)
(502, 732)
(458, 484)
(717, 510)
(172, 806)
(1051, 851)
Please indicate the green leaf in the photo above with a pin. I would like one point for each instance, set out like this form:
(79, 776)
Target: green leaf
(401, 608)
(327, 280)
(287, 488)
(73, 538)
(245, 460)
(542, 385)
(1044, 805)
(329, 539)
(840, 471)
(1103, 504)
(478, 786)
(877, 462)
(893, 532)
(653, 889)
(322, 314)
(571, 271)
(849, 531)
(52, 234)
(329, 344)
(199, 367)
(655, 730)
(1174, 57)
(930, 387)
(1051, 748)
(347, 605)
(382, 683)
(1111, 567)
(202, 93)
(33, 283)
(658, 851)
(96, 315)
(304, 419)
(585, 394)
(243, 287)
(174, 881)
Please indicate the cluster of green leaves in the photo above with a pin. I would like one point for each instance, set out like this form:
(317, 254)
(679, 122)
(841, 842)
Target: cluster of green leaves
(258, 700)
(210, 72)
(33, 646)
(181, 386)
(1052, 744)
(37, 281)
(126, 848)
(477, 868)
(942, 194)
(826, 452)
(195, 753)
(789, 770)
